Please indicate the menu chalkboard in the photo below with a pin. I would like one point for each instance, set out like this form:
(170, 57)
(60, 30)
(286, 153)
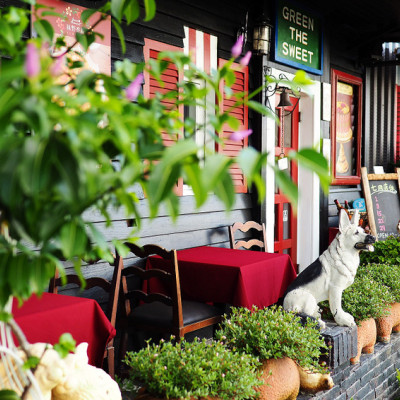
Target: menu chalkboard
(381, 192)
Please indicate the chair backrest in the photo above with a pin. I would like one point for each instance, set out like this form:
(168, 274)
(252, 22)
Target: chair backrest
(160, 285)
(246, 242)
(111, 287)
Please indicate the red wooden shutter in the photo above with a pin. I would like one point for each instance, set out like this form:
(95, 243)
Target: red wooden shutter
(397, 155)
(228, 147)
(170, 78)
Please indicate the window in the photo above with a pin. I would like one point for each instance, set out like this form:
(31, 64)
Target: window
(203, 49)
(346, 128)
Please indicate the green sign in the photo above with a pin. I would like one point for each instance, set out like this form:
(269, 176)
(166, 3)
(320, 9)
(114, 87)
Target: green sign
(298, 37)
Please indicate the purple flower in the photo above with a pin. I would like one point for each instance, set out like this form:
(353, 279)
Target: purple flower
(245, 60)
(133, 90)
(32, 60)
(57, 66)
(240, 135)
(237, 47)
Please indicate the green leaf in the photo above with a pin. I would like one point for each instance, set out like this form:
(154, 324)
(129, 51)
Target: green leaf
(225, 190)
(193, 179)
(316, 162)
(44, 29)
(251, 163)
(5, 316)
(150, 7)
(288, 187)
(86, 14)
(120, 33)
(261, 109)
(7, 394)
(117, 7)
(85, 39)
(31, 362)
(132, 11)
(166, 172)
(65, 345)
(73, 239)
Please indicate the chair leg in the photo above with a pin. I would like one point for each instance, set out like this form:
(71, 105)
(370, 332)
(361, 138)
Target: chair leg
(122, 350)
(111, 361)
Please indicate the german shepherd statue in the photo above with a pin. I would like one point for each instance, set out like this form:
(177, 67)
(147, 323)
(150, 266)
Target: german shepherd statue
(331, 273)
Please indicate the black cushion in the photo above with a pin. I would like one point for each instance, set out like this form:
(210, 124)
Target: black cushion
(160, 314)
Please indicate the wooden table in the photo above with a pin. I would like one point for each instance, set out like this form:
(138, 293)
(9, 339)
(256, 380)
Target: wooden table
(241, 278)
(46, 318)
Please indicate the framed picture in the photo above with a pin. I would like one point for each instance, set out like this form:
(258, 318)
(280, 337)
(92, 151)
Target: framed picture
(68, 22)
(346, 128)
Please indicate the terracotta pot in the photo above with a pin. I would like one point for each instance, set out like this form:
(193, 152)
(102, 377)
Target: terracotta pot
(366, 339)
(391, 323)
(281, 378)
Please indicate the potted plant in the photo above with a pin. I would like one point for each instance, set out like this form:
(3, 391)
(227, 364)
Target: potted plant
(193, 370)
(385, 252)
(280, 341)
(388, 275)
(366, 300)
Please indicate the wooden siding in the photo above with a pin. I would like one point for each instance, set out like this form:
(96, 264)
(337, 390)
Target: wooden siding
(209, 225)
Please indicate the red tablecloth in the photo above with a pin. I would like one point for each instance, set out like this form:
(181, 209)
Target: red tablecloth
(241, 278)
(46, 318)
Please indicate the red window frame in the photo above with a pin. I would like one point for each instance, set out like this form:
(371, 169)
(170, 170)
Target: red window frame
(356, 83)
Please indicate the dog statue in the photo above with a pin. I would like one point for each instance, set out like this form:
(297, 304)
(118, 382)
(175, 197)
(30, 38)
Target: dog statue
(330, 274)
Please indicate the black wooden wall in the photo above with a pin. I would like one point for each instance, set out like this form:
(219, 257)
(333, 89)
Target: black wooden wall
(209, 225)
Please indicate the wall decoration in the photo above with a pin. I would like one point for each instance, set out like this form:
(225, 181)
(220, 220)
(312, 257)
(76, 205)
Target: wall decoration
(346, 128)
(98, 56)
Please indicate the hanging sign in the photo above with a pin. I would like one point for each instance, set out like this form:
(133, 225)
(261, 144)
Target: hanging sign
(298, 37)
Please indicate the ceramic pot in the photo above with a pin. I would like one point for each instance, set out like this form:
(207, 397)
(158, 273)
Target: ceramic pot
(366, 339)
(281, 378)
(391, 323)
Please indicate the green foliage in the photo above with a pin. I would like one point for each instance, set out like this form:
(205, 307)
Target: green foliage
(194, 370)
(388, 275)
(386, 252)
(64, 152)
(7, 394)
(364, 299)
(65, 345)
(273, 333)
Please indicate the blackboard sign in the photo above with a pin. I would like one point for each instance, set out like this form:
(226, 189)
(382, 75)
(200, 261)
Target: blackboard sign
(381, 192)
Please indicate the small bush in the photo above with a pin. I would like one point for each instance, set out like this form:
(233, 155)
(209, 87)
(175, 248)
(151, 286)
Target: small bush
(273, 333)
(388, 275)
(386, 252)
(193, 370)
(365, 298)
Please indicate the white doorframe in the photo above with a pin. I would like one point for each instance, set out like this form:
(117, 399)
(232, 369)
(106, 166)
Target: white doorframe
(308, 222)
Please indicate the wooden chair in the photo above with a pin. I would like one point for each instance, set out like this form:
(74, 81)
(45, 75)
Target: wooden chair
(247, 243)
(165, 313)
(112, 288)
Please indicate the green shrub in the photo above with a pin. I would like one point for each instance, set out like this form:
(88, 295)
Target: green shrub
(388, 275)
(386, 252)
(365, 298)
(273, 333)
(193, 370)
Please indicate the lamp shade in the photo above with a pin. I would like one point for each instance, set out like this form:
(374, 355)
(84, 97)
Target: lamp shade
(262, 36)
